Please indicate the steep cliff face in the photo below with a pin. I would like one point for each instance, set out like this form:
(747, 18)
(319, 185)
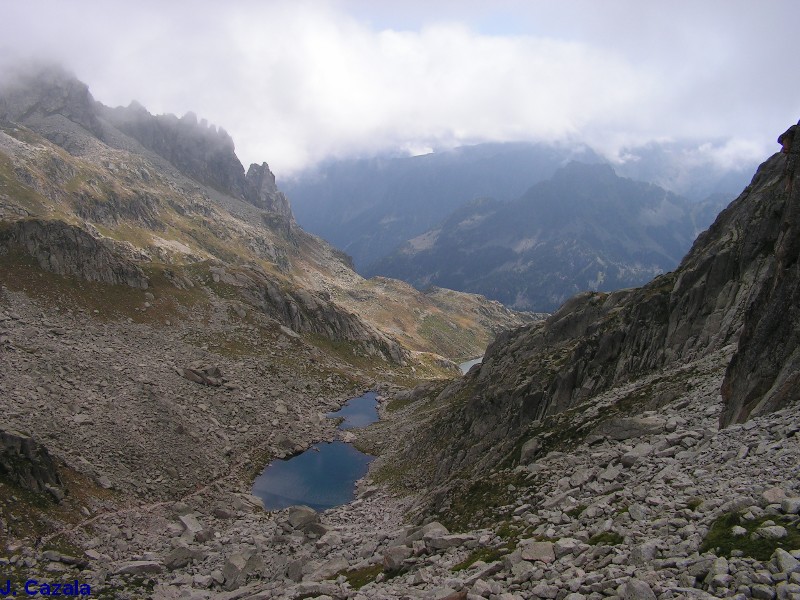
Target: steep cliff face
(262, 191)
(68, 250)
(203, 152)
(764, 374)
(738, 284)
(51, 101)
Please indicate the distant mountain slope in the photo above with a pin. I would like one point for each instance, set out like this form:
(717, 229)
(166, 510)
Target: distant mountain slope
(584, 229)
(369, 207)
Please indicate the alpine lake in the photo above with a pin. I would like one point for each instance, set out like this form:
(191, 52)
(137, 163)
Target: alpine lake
(325, 475)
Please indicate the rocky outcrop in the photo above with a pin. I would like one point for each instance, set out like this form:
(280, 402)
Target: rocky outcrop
(52, 102)
(27, 463)
(69, 250)
(303, 311)
(48, 98)
(764, 374)
(261, 191)
(203, 152)
(197, 149)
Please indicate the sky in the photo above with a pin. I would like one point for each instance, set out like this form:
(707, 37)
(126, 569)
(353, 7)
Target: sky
(297, 82)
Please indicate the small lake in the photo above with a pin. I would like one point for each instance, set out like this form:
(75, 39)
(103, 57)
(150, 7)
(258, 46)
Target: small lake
(325, 475)
(466, 366)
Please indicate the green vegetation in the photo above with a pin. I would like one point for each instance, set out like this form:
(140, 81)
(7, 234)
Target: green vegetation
(29, 199)
(485, 554)
(574, 513)
(358, 578)
(606, 538)
(484, 501)
(693, 503)
(21, 272)
(444, 333)
(723, 542)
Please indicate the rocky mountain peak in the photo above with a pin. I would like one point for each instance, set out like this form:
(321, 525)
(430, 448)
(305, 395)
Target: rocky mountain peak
(197, 149)
(45, 94)
(262, 191)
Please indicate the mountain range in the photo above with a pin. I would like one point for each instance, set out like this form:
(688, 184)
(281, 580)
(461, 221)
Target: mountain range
(583, 229)
(369, 207)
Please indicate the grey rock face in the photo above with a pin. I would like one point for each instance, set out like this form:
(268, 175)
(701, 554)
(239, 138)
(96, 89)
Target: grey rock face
(305, 311)
(753, 385)
(262, 191)
(68, 250)
(27, 463)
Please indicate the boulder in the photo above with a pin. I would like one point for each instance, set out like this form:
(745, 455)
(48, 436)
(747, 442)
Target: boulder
(636, 589)
(180, 557)
(541, 551)
(301, 516)
(791, 506)
(139, 567)
(192, 528)
(624, 428)
(239, 567)
(394, 556)
(529, 450)
(27, 463)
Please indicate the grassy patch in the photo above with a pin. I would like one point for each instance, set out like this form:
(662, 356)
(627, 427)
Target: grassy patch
(693, 503)
(606, 538)
(574, 513)
(485, 554)
(21, 272)
(483, 501)
(397, 404)
(358, 578)
(721, 540)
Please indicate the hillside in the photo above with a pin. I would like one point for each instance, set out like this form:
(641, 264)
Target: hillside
(584, 229)
(602, 358)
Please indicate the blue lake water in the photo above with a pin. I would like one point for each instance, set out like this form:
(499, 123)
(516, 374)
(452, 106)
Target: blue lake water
(325, 475)
(358, 412)
(466, 366)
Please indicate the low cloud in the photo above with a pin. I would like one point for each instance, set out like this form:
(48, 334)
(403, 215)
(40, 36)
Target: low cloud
(297, 82)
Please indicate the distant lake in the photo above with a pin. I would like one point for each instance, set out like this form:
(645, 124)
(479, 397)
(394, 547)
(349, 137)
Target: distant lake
(358, 412)
(466, 366)
(325, 475)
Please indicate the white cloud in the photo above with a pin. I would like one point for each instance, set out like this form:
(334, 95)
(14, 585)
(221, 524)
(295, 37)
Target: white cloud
(295, 82)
